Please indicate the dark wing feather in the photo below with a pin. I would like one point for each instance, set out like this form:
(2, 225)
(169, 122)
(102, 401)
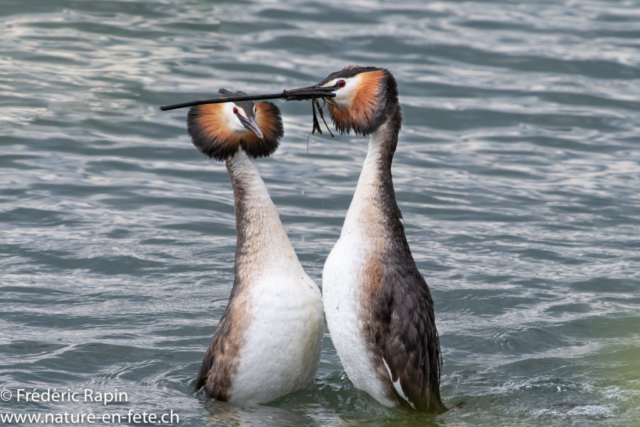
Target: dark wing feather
(411, 346)
(401, 327)
(213, 363)
(221, 360)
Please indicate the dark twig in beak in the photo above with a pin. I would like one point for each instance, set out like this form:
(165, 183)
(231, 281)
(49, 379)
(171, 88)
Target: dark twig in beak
(326, 93)
(301, 94)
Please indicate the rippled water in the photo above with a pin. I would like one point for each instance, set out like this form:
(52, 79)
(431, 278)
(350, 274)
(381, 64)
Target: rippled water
(517, 172)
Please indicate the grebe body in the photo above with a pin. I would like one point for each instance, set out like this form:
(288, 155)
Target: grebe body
(268, 340)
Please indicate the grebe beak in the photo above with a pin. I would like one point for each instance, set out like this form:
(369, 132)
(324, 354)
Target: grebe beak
(310, 92)
(251, 125)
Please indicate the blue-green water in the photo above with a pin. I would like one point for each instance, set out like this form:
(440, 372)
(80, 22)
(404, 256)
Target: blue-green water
(518, 173)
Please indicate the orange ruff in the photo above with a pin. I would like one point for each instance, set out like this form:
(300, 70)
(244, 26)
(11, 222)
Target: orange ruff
(266, 118)
(213, 124)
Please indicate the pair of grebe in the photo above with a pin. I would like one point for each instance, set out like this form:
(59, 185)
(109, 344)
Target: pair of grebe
(378, 306)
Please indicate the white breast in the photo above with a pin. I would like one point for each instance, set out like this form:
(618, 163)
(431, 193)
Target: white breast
(342, 296)
(280, 329)
(342, 278)
(284, 339)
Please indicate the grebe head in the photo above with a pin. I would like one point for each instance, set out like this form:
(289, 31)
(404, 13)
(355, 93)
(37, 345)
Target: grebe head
(364, 98)
(218, 130)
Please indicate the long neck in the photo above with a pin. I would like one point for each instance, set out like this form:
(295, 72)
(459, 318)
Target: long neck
(262, 240)
(373, 209)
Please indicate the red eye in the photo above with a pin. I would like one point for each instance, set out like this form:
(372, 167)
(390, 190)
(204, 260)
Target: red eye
(235, 110)
(341, 83)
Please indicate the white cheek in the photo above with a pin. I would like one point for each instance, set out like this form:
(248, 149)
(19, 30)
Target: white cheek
(232, 120)
(345, 95)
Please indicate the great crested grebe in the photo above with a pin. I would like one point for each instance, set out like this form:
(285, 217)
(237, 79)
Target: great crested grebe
(378, 306)
(268, 341)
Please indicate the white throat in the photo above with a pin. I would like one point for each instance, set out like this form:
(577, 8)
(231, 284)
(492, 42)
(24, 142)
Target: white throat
(363, 206)
(263, 243)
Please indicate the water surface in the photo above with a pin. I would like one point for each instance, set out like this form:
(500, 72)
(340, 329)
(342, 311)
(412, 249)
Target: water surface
(517, 173)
